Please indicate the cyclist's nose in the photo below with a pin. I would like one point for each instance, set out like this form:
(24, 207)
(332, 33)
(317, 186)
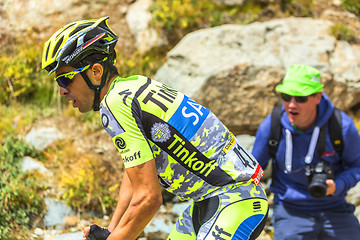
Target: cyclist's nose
(63, 91)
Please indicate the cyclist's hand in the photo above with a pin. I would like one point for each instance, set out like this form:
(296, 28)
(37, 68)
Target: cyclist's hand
(86, 232)
(94, 232)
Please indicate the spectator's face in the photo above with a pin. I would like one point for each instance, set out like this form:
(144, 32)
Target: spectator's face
(302, 115)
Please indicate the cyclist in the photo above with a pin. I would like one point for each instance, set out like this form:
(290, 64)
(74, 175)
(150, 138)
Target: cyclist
(164, 138)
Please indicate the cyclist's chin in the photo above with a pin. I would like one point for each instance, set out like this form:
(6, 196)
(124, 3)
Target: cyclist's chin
(82, 108)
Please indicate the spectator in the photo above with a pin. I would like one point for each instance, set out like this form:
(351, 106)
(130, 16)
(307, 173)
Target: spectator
(323, 214)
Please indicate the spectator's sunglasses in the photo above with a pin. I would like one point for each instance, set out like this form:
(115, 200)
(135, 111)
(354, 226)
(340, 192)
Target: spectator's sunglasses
(298, 99)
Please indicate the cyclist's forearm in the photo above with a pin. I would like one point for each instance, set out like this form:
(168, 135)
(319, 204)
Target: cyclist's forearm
(125, 195)
(137, 216)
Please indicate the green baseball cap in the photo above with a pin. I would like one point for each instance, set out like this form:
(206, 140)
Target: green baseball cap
(301, 80)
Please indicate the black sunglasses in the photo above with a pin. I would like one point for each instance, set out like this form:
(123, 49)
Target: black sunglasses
(298, 99)
(65, 79)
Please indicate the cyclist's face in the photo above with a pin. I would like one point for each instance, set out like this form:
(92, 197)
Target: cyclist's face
(302, 115)
(77, 91)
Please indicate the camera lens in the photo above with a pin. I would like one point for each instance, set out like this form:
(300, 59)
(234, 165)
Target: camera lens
(317, 187)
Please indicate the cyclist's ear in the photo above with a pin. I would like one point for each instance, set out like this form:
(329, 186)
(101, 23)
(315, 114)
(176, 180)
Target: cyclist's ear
(96, 71)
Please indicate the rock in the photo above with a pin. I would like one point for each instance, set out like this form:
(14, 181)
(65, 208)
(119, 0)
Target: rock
(31, 164)
(237, 77)
(70, 221)
(353, 196)
(70, 236)
(159, 225)
(138, 18)
(230, 3)
(39, 232)
(179, 208)
(41, 138)
(247, 141)
(56, 213)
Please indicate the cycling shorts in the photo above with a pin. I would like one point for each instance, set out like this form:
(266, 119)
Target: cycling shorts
(227, 216)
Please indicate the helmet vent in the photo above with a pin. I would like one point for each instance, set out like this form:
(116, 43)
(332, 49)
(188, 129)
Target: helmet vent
(65, 28)
(58, 44)
(47, 52)
(79, 28)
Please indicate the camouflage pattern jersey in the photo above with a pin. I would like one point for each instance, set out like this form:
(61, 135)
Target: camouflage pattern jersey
(196, 156)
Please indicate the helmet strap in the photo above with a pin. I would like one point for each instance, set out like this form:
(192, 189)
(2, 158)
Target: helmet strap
(97, 88)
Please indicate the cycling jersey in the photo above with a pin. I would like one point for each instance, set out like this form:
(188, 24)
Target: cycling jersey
(196, 156)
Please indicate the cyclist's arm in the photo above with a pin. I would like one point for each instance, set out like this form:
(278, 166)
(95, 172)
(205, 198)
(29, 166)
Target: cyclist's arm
(146, 200)
(125, 195)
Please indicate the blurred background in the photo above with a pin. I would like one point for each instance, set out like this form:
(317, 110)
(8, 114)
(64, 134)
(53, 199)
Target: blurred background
(59, 169)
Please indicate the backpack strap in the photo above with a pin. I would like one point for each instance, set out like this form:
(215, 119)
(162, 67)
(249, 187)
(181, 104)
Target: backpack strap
(275, 130)
(335, 132)
(335, 128)
(320, 145)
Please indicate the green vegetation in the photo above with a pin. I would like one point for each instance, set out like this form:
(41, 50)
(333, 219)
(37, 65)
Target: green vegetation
(86, 185)
(21, 77)
(136, 63)
(20, 193)
(179, 17)
(84, 180)
(352, 6)
(296, 8)
(342, 32)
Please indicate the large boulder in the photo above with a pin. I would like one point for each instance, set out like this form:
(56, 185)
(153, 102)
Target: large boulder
(232, 69)
(138, 19)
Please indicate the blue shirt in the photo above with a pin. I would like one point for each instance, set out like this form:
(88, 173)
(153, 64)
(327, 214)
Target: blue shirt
(291, 189)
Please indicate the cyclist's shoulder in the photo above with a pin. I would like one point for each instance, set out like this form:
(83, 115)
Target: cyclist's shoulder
(127, 82)
(121, 88)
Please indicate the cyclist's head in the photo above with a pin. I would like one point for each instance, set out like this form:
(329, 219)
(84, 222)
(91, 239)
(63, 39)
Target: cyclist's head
(80, 43)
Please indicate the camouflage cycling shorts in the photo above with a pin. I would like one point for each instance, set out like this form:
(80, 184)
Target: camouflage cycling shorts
(237, 214)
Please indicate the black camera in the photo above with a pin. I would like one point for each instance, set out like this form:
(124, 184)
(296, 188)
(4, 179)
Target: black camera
(316, 177)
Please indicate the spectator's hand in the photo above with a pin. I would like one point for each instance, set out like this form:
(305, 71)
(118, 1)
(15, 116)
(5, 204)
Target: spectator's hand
(331, 187)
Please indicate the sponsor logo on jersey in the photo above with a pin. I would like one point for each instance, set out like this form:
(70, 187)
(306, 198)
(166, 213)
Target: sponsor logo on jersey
(185, 153)
(258, 174)
(219, 232)
(120, 143)
(230, 144)
(131, 158)
(256, 206)
(124, 151)
(161, 96)
(160, 132)
(189, 117)
(105, 120)
(191, 158)
(126, 93)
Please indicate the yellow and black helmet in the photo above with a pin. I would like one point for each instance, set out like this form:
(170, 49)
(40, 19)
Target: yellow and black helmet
(77, 40)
